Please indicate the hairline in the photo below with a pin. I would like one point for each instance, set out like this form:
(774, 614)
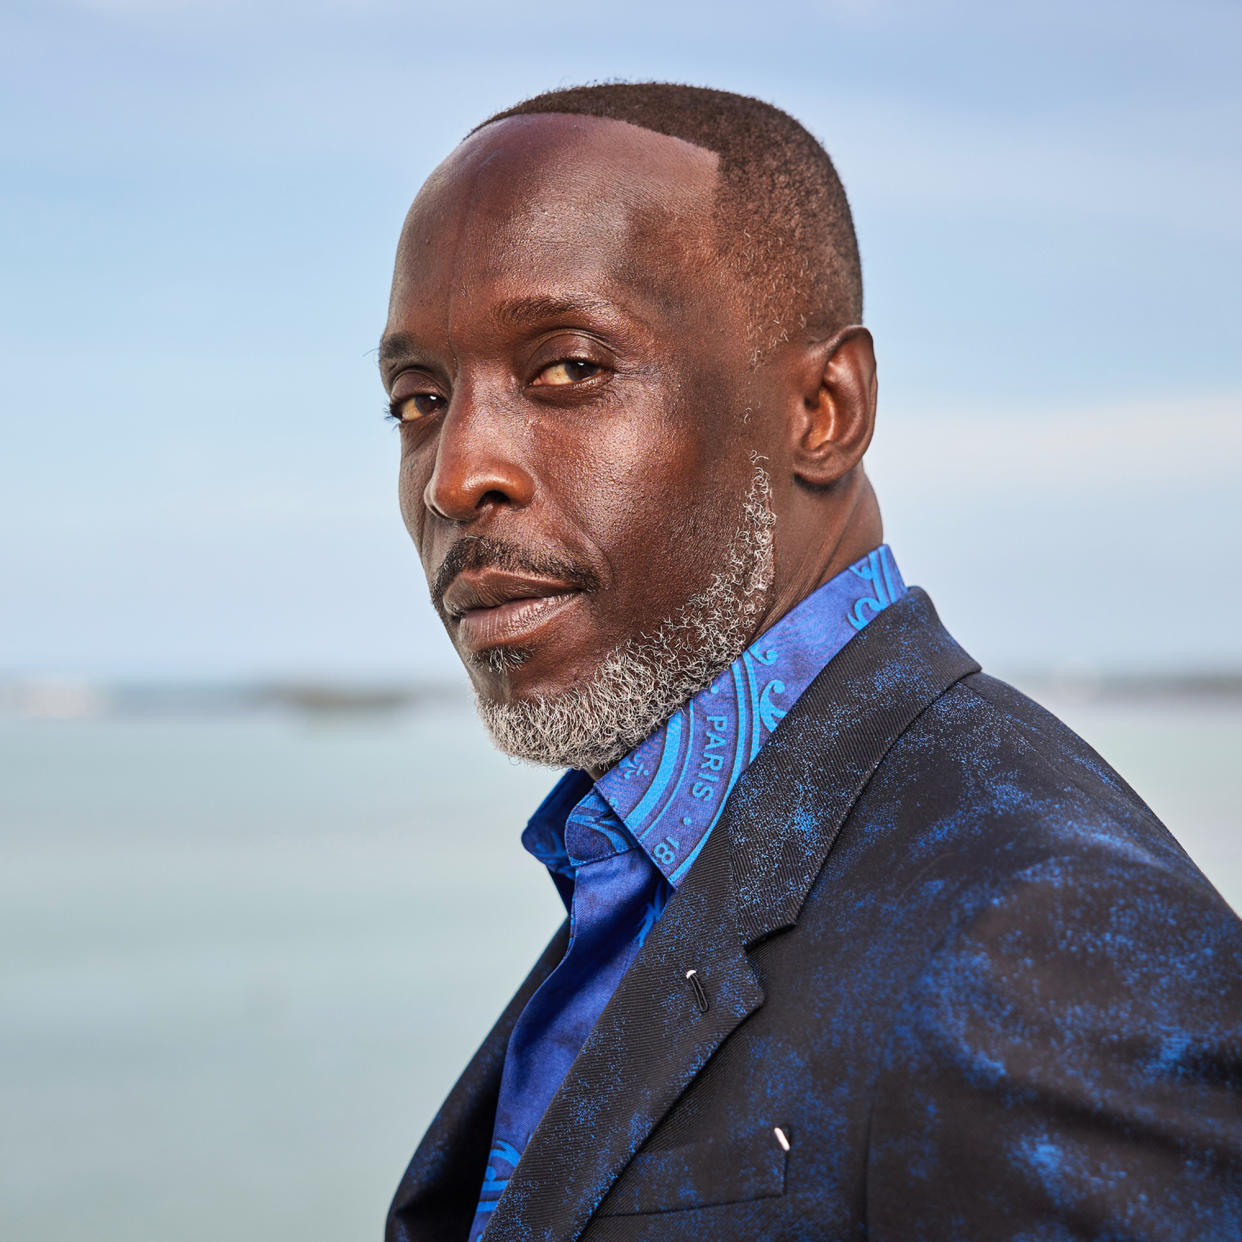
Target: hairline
(610, 120)
(722, 243)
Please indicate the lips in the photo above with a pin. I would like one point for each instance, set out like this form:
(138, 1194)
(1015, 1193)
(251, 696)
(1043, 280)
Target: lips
(494, 607)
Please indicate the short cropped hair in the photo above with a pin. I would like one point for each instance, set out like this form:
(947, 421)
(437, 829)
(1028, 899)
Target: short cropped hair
(782, 219)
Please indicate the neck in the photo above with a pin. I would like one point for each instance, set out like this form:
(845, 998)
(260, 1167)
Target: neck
(819, 544)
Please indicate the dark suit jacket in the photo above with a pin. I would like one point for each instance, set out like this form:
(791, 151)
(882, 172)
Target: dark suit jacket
(946, 949)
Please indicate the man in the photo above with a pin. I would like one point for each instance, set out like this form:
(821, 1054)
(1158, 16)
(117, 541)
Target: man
(862, 943)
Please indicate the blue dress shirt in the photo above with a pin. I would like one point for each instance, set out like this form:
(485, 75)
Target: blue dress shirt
(618, 848)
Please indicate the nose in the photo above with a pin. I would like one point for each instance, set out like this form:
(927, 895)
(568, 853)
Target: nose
(479, 462)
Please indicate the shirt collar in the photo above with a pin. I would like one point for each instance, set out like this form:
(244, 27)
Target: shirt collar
(670, 790)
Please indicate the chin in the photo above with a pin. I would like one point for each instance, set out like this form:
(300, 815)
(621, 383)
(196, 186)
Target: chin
(512, 674)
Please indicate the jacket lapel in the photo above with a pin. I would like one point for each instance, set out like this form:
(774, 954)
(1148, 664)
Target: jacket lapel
(438, 1194)
(650, 1042)
(750, 881)
(787, 810)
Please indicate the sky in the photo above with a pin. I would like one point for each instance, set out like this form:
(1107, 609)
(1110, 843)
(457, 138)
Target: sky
(199, 204)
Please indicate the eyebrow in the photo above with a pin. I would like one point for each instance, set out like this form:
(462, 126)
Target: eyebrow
(512, 313)
(531, 311)
(395, 347)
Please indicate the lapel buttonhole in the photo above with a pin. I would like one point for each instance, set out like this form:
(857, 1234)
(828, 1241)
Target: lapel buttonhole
(700, 993)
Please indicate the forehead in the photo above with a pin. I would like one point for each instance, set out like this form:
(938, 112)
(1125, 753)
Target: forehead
(550, 202)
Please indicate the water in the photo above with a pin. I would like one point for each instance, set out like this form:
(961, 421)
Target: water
(243, 958)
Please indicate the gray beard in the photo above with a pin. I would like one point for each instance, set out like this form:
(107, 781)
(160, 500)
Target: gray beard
(642, 682)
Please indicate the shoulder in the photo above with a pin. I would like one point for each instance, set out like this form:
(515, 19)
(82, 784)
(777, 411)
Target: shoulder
(999, 861)
(988, 781)
(1072, 1030)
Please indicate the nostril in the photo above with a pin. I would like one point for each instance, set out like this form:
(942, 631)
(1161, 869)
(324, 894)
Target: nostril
(476, 472)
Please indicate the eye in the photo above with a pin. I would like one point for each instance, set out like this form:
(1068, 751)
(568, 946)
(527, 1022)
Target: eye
(416, 406)
(568, 371)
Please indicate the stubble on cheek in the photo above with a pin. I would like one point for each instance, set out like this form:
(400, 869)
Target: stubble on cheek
(648, 676)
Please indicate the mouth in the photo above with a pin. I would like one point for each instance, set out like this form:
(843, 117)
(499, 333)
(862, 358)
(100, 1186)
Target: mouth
(492, 608)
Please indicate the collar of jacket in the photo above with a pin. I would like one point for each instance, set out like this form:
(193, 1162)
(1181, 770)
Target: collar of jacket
(749, 882)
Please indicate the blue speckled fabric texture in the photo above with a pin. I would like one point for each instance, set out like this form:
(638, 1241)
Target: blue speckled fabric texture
(946, 950)
(618, 848)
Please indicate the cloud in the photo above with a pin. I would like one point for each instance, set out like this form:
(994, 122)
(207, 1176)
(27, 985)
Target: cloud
(1196, 442)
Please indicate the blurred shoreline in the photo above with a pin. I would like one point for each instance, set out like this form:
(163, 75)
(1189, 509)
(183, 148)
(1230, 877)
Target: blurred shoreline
(64, 698)
(69, 698)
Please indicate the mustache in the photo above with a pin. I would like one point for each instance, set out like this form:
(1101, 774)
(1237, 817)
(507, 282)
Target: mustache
(480, 552)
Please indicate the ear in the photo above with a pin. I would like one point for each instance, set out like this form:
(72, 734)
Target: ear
(832, 425)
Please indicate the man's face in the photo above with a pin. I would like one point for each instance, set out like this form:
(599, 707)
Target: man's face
(568, 357)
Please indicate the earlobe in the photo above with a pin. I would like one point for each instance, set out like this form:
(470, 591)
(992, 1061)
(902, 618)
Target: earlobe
(833, 428)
